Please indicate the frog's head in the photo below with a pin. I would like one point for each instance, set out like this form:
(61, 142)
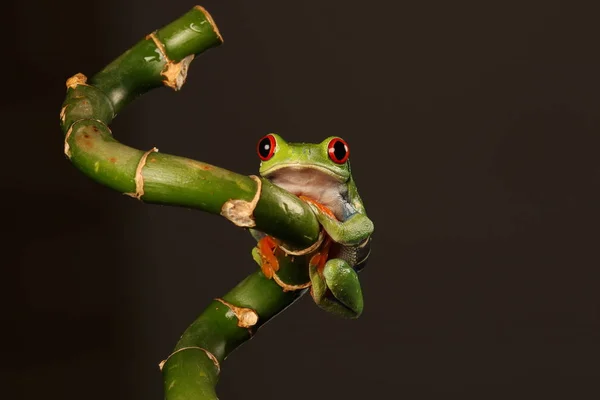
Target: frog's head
(329, 158)
(320, 171)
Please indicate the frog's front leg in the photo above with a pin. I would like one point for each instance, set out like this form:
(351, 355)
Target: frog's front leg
(351, 232)
(336, 288)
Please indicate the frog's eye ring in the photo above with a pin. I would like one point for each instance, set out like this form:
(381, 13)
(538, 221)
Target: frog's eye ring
(338, 150)
(266, 147)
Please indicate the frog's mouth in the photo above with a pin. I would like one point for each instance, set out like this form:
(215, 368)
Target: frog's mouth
(318, 183)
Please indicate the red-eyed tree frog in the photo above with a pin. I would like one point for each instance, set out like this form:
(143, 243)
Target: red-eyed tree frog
(320, 175)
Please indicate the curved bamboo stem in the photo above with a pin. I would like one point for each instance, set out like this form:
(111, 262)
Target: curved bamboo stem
(192, 370)
(163, 58)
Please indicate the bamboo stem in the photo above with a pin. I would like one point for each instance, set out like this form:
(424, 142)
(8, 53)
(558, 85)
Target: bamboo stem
(160, 178)
(163, 58)
(192, 370)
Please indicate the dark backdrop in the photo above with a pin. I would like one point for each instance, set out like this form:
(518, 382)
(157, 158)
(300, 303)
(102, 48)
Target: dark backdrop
(474, 129)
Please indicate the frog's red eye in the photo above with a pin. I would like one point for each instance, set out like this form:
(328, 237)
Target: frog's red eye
(338, 150)
(266, 147)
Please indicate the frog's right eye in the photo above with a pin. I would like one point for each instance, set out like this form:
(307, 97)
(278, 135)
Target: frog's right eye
(266, 147)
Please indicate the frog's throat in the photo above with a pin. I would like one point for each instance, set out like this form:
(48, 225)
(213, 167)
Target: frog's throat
(301, 166)
(312, 182)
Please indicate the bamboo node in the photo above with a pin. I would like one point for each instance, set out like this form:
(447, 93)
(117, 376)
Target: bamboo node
(305, 251)
(208, 353)
(175, 73)
(67, 147)
(240, 212)
(159, 45)
(247, 317)
(75, 80)
(63, 114)
(287, 287)
(139, 178)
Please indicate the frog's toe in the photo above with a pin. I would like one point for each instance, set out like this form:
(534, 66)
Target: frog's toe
(331, 305)
(265, 258)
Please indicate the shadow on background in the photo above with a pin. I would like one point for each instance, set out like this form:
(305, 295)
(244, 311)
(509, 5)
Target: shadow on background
(474, 133)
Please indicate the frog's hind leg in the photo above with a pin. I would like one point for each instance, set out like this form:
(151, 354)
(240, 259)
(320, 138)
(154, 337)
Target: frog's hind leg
(264, 256)
(336, 288)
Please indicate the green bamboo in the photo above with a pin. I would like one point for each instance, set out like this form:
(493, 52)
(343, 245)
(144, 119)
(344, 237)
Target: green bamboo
(162, 58)
(190, 372)
(166, 179)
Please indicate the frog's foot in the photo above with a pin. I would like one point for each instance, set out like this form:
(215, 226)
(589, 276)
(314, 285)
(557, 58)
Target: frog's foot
(336, 288)
(268, 262)
(318, 205)
(320, 258)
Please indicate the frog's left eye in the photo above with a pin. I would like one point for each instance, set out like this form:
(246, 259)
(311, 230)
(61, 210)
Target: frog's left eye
(338, 150)
(266, 147)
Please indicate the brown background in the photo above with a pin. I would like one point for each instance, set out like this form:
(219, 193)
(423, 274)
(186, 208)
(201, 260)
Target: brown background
(474, 129)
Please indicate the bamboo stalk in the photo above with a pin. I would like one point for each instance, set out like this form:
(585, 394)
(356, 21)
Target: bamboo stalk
(192, 370)
(163, 58)
(162, 178)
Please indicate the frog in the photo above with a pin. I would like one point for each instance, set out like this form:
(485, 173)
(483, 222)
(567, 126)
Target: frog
(320, 175)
